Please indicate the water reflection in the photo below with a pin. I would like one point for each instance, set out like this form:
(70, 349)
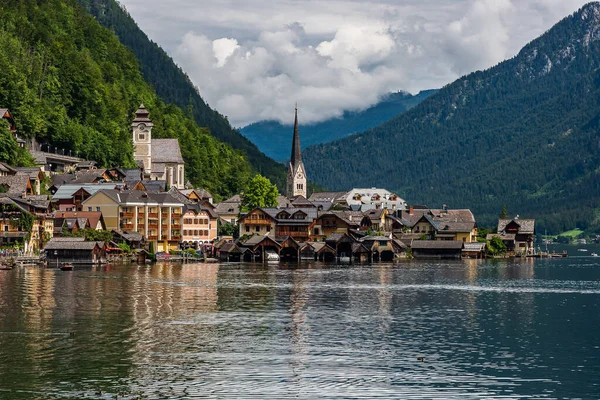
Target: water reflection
(485, 329)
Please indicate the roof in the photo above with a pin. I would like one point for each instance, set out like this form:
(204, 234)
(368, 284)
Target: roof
(7, 168)
(176, 193)
(198, 208)
(166, 151)
(70, 245)
(296, 157)
(92, 216)
(227, 208)
(130, 236)
(17, 184)
(231, 248)
(88, 176)
(526, 226)
(503, 236)
(329, 197)
(475, 246)
(132, 174)
(139, 196)
(67, 191)
(202, 193)
(437, 244)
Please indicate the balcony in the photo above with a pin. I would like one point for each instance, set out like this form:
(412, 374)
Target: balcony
(175, 215)
(127, 226)
(175, 237)
(293, 234)
(152, 237)
(152, 226)
(153, 215)
(127, 214)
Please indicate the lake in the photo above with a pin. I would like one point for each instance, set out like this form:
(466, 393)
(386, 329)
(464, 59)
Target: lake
(413, 330)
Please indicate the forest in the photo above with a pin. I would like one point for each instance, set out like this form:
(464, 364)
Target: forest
(522, 134)
(70, 83)
(174, 86)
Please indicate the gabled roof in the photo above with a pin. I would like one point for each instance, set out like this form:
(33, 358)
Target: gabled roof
(329, 197)
(17, 184)
(92, 216)
(4, 167)
(70, 245)
(437, 244)
(67, 191)
(526, 226)
(166, 151)
(129, 236)
(139, 197)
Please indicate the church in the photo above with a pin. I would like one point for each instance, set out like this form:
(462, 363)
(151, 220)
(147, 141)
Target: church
(160, 159)
(296, 178)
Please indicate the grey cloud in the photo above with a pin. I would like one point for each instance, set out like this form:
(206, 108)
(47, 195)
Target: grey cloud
(253, 60)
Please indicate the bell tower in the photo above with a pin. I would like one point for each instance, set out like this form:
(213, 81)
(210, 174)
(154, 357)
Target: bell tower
(142, 140)
(296, 179)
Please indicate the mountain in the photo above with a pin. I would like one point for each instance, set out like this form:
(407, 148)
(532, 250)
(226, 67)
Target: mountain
(275, 139)
(69, 82)
(173, 86)
(524, 134)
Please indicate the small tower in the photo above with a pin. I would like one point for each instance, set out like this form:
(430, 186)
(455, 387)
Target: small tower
(142, 140)
(296, 178)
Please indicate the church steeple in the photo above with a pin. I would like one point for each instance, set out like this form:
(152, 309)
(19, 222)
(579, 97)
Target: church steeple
(296, 151)
(296, 179)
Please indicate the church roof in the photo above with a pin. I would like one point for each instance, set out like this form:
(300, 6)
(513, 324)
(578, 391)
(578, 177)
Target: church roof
(142, 115)
(166, 151)
(296, 151)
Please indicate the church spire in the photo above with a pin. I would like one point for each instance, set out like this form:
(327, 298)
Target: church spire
(296, 152)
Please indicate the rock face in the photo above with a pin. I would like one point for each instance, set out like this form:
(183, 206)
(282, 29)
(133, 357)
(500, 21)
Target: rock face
(523, 134)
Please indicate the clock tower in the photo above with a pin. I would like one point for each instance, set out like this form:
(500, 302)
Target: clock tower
(296, 178)
(142, 140)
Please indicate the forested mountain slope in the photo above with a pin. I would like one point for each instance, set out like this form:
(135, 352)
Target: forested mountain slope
(174, 86)
(275, 139)
(69, 82)
(524, 133)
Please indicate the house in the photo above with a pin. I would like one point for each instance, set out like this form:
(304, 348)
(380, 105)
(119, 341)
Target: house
(16, 185)
(229, 210)
(6, 170)
(20, 226)
(330, 222)
(70, 197)
(199, 224)
(74, 250)
(474, 250)
(36, 176)
(197, 195)
(78, 220)
(156, 216)
(160, 159)
(257, 222)
(517, 234)
(133, 239)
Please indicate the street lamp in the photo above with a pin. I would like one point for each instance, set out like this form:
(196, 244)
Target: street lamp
(56, 255)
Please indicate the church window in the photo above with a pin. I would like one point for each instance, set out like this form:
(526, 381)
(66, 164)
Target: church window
(141, 136)
(300, 186)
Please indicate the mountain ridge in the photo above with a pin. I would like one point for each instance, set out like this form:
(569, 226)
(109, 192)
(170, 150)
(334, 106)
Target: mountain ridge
(494, 137)
(274, 139)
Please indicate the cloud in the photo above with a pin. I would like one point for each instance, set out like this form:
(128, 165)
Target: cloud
(252, 60)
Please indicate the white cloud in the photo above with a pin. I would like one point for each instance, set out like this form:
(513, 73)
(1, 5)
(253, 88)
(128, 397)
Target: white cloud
(253, 60)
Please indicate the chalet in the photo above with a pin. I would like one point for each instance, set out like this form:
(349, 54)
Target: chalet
(517, 234)
(199, 224)
(73, 221)
(330, 222)
(70, 197)
(229, 210)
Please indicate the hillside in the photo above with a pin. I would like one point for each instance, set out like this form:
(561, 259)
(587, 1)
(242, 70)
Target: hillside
(173, 86)
(69, 82)
(523, 133)
(275, 139)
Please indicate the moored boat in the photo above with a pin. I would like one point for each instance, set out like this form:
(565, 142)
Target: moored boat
(66, 267)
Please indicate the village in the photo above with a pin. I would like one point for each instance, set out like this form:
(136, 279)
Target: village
(69, 210)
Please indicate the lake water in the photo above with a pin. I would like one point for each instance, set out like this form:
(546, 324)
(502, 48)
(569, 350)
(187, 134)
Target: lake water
(415, 330)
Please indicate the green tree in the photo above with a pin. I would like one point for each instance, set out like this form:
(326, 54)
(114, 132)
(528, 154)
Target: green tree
(259, 193)
(496, 246)
(503, 212)
(227, 229)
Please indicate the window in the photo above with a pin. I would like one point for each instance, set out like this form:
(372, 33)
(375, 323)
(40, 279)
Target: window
(268, 228)
(300, 186)
(141, 136)
(316, 231)
(247, 228)
(89, 208)
(5, 228)
(232, 221)
(97, 208)
(257, 228)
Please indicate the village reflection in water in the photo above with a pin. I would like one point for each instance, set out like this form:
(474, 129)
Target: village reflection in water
(446, 329)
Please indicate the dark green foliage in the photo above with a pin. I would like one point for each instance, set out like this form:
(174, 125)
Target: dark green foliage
(523, 134)
(10, 152)
(275, 139)
(174, 86)
(227, 229)
(496, 246)
(91, 235)
(259, 193)
(70, 82)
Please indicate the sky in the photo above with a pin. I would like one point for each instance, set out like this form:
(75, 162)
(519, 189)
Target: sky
(253, 60)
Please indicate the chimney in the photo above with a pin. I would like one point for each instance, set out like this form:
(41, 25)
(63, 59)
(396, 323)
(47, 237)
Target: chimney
(445, 207)
(410, 210)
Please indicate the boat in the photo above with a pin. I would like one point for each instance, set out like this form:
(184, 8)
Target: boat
(66, 267)
(272, 256)
(582, 250)
(594, 255)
